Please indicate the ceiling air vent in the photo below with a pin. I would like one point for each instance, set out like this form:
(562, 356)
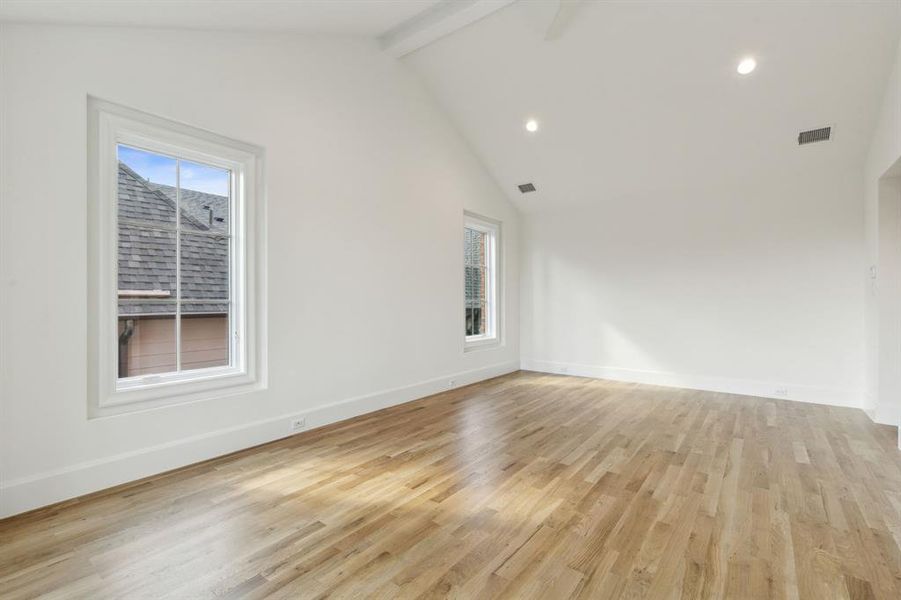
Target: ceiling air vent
(525, 188)
(814, 135)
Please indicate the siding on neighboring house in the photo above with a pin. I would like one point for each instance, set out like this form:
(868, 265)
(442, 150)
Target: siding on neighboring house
(152, 345)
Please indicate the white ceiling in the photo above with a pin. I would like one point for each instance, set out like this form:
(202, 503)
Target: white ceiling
(633, 98)
(350, 17)
(636, 98)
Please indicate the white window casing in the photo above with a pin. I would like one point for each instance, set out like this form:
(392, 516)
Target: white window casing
(110, 125)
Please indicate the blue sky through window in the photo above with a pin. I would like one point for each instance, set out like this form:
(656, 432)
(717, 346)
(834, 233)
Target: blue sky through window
(161, 169)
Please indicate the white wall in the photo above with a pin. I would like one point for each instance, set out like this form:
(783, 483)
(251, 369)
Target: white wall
(752, 289)
(883, 331)
(367, 183)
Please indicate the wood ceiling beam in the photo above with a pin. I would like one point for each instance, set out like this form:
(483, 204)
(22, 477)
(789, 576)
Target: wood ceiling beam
(436, 22)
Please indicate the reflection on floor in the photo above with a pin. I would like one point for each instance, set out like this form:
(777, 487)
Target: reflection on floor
(525, 486)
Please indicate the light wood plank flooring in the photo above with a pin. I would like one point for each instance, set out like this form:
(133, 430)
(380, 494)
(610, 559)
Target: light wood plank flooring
(525, 486)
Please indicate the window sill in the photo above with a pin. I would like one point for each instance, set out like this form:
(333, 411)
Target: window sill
(481, 343)
(136, 396)
(168, 380)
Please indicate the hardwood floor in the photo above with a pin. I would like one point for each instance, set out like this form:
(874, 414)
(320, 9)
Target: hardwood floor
(525, 486)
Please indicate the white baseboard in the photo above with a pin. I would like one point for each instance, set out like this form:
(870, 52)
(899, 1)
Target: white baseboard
(886, 415)
(746, 387)
(27, 493)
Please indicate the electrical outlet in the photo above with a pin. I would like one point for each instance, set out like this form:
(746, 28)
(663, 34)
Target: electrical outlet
(298, 424)
(564, 370)
(781, 391)
(451, 383)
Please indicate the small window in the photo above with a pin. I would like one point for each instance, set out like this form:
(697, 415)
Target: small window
(172, 239)
(480, 271)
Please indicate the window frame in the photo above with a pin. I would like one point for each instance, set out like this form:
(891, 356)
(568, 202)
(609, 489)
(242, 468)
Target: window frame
(110, 125)
(235, 316)
(493, 297)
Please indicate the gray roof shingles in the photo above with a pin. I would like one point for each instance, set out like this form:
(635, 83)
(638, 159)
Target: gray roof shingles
(147, 251)
(194, 204)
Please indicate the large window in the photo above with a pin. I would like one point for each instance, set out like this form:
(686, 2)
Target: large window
(480, 270)
(174, 260)
(172, 241)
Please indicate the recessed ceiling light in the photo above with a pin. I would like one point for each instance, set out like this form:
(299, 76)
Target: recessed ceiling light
(746, 66)
(531, 125)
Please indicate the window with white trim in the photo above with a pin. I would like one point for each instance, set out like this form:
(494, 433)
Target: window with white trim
(174, 262)
(480, 271)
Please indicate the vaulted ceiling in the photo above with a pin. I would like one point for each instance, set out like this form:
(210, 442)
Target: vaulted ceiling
(643, 97)
(632, 98)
